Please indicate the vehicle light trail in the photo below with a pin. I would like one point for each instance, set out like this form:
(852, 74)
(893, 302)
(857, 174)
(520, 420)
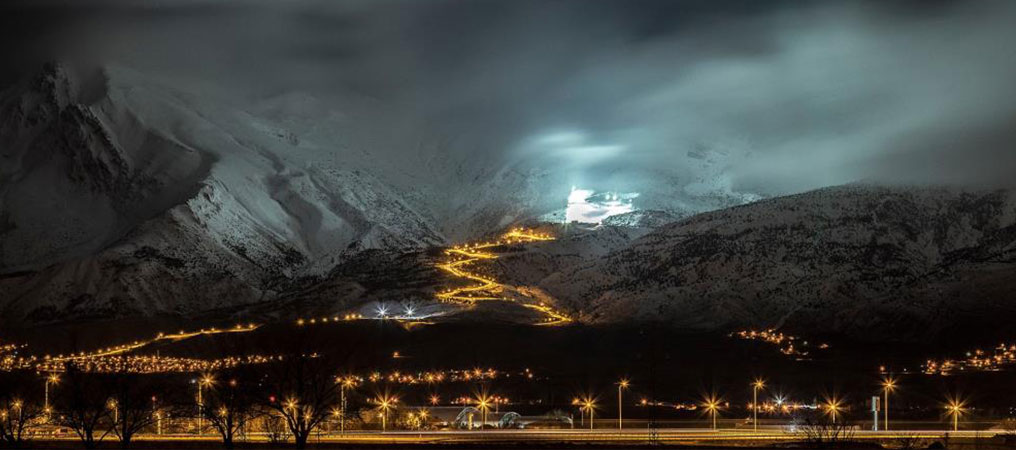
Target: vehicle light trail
(462, 258)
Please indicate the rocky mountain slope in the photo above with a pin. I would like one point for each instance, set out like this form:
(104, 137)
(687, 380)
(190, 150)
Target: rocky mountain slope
(119, 196)
(874, 262)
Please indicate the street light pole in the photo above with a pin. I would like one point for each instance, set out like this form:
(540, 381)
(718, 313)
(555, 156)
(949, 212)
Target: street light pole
(885, 405)
(343, 384)
(956, 407)
(384, 404)
(51, 379)
(758, 384)
(712, 404)
(201, 406)
(887, 385)
(623, 384)
(205, 381)
(588, 403)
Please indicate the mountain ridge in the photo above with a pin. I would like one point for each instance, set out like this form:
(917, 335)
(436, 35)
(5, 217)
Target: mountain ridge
(854, 259)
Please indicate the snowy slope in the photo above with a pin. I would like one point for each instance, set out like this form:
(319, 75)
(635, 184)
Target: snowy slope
(107, 206)
(876, 262)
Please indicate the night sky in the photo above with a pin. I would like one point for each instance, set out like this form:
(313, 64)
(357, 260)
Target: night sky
(787, 95)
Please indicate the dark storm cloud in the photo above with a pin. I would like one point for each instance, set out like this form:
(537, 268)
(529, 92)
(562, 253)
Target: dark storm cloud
(776, 96)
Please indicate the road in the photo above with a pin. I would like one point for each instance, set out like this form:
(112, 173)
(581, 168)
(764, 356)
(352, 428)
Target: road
(687, 436)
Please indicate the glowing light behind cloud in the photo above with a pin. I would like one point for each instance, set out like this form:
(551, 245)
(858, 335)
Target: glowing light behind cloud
(587, 206)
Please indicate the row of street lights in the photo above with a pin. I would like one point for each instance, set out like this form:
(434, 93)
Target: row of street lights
(833, 406)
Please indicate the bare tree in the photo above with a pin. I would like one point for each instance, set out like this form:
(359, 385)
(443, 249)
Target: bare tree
(909, 442)
(275, 429)
(819, 431)
(231, 404)
(302, 391)
(138, 400)
(302, 388)
(17, 412)
(83, 406)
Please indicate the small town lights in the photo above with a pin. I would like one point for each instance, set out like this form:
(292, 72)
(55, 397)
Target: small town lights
(788, 345)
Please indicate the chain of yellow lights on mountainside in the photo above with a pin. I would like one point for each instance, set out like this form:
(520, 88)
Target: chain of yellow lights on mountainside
(462, 257)
(113, 358)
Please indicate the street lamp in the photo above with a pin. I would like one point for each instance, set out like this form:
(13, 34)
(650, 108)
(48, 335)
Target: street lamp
(888, 385)
(51, 379)
(385, 402)
(158, 414)
(755, 387)
(206, 381)
(712, 405)
(423, 414)
(337, 413)
(589, 404)
(344, 383)
(833, 406)
(623, 384)
(116, 410)
(483, 404)
(582, 412)
(955, 408)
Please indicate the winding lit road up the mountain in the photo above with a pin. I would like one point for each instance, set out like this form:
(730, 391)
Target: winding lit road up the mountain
(461, 258)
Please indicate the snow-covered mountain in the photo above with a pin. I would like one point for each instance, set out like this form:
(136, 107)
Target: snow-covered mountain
(120, 196)
(875, 262)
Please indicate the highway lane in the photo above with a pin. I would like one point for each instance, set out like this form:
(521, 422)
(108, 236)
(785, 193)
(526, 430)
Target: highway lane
(598, 436)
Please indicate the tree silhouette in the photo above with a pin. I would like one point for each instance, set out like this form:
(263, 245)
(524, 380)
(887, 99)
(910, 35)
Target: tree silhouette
(83, 405)
(302, 388)
(231, 403)
(18, 411)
